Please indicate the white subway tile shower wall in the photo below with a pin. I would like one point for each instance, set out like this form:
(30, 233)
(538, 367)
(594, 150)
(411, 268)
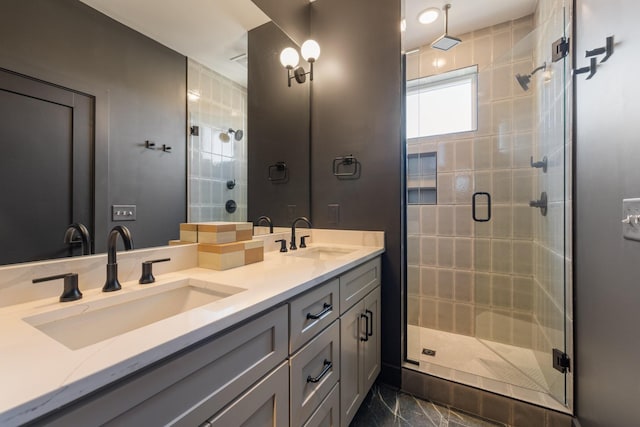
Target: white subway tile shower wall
(221, 105)
(467, 277)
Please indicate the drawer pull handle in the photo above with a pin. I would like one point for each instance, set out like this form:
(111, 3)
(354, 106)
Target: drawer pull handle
(366, 325)
(326, 308)
(327, 366)
(369, 319)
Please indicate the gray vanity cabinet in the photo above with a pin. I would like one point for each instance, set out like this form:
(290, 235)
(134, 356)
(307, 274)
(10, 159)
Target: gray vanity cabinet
(307, 363)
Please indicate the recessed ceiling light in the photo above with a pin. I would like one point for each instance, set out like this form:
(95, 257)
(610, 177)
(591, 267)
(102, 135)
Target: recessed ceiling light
(428, 16)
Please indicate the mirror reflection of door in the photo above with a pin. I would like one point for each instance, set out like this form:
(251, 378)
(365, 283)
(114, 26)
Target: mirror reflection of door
(46, 167)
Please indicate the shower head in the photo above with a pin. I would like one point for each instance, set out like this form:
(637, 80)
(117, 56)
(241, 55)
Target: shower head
(524, 80)
(237, 134)
(445, 41)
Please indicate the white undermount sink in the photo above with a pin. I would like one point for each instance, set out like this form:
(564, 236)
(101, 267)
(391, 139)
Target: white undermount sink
(81, 325)
(322, 253)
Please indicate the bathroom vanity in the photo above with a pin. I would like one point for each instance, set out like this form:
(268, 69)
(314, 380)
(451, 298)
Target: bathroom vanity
(291, 341)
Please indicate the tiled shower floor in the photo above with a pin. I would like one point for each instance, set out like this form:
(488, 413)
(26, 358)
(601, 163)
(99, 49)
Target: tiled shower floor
(469, 361)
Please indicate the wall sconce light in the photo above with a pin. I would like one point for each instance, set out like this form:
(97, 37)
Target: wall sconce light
(289, 58)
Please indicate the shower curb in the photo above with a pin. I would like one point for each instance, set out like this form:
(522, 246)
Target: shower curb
(481, 403)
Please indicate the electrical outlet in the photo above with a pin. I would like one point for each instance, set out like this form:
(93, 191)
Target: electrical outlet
(123, 213)
(631, 219)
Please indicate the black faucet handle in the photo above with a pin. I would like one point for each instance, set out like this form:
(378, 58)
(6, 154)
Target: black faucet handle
(147, 270)
(303, 243)
(283, 245)
(70, 291)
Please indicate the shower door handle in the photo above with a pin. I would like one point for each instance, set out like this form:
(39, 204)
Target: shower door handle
(473, 206)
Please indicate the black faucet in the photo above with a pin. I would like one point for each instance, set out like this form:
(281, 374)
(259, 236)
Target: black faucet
(84, 237)
(292, 245)
(268, 220)
(112, 283)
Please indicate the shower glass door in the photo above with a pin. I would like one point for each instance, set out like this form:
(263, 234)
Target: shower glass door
(519, 205)
(488, 209)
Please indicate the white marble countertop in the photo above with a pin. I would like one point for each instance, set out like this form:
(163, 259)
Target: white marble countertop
(39, 374)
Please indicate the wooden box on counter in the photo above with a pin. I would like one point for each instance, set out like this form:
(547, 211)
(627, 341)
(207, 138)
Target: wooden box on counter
(216, 232)
(230, 255)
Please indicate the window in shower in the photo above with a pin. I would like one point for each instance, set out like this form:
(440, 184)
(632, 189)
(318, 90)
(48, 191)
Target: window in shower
(421, 179)
(443, 104)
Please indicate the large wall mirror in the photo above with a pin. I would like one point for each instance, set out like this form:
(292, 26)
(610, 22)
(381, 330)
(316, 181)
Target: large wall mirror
(140, 127)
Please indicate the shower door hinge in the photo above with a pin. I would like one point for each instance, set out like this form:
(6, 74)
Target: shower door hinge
(561, 361)
(559, 49)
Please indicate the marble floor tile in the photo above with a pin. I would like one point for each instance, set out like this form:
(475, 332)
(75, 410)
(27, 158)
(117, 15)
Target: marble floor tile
(386, 407)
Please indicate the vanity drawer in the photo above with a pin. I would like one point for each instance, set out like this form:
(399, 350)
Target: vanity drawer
(265, 404)
(188, 388)
(357, 283)
(311, 312)
(315, 369)
(328, 413)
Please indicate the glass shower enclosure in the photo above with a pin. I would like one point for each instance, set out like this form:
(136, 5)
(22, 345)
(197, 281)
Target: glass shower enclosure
(488, 215)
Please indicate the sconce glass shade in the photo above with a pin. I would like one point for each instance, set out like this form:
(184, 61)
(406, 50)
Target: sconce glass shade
(310, 50)
(289, 57)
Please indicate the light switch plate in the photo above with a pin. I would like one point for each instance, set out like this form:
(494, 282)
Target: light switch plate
(333, 214)
(123, 213)
(631, 212)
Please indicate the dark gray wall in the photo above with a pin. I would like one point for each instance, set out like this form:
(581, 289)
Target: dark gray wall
(356, 104)
(140, 91)
(278, 125)
(607, 271)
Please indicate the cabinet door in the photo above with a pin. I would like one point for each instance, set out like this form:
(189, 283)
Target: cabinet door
(371, 351)
(265, 404)
(351, 384)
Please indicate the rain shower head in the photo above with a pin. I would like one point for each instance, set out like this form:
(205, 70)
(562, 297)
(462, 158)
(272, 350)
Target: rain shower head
(524, 80)
(445, 41)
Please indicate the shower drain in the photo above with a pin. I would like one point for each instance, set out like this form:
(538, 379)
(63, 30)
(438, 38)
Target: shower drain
(428, 352)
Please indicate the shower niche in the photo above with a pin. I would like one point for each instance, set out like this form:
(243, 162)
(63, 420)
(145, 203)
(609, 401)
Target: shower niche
(422, 179)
